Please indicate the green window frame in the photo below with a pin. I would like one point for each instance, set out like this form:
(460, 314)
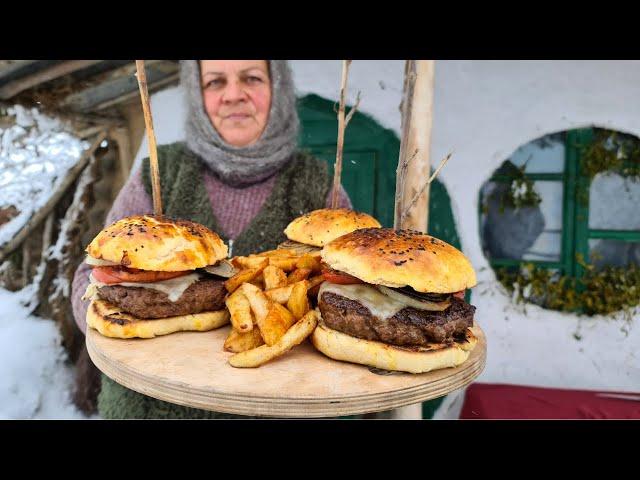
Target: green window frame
(576, 233)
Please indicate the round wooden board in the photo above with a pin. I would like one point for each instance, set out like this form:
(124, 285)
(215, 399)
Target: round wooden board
(191, 368)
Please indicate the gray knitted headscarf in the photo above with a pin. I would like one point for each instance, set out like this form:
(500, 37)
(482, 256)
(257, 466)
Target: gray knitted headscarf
(241, 166)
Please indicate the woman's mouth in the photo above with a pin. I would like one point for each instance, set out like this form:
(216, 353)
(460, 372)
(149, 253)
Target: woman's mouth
(237, 116)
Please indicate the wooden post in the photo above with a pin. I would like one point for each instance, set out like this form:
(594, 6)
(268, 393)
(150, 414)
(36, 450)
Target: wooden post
(153, 151)
(342, 125)
(414, 165)
(414, 162)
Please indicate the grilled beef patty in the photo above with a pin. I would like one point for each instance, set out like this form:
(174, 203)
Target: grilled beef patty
(204, 295)
(409, 326)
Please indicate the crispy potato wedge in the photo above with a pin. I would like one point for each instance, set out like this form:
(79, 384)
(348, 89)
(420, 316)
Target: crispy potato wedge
(244, 276)
(294, 336)
(274, 277)
(240, 310)
(258, 281)
(285, 263)
(238, 342)
(279, 253)
(298, 302)
(281, 294)
(260, 303)
(298, 274)
(313, 281)
(276, 323)
(250, 262)
(310, 262)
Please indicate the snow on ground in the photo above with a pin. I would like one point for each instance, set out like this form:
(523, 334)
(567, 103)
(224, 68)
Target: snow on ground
(35, 376)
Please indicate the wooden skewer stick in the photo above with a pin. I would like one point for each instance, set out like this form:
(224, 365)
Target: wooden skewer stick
(426, 184)
(153, 151)
(342, 123)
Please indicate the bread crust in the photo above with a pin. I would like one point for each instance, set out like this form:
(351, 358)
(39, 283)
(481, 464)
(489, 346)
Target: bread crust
(399, 258)
(150, 242)
(112, 322)
(340, 346)
(319, 227)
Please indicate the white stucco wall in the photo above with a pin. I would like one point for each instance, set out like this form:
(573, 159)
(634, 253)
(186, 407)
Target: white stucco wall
(483, 111)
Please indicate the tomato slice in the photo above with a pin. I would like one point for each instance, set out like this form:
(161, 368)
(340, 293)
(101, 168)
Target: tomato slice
(334, 276)
(101, 274)
(459, 294)
(118, 274)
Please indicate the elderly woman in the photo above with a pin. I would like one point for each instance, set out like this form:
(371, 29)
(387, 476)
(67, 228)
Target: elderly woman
(239, 173)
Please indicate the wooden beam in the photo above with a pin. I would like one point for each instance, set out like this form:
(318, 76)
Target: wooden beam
(153, 87)
(11, 70)
(414, 162)
(120, 88)
(41, 214)
(24, 83)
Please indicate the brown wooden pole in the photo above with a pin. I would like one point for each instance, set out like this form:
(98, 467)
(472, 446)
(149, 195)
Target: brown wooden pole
(153, 151)
(414, 162)
(414, 165)
(337, 169)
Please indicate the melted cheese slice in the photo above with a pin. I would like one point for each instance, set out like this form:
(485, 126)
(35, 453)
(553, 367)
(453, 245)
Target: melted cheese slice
(379, 305)
(96, 262)
(174, 287)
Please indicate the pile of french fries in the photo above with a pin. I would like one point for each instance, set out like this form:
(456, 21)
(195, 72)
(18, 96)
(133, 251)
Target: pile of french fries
(269, 304)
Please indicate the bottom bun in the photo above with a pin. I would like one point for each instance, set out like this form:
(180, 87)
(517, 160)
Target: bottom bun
(111, 321)
(340, 346)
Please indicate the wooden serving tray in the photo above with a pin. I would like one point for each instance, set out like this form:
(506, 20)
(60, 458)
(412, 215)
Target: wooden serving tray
(191, 368)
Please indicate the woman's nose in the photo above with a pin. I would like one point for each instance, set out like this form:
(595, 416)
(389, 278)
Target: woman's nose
(234, 92)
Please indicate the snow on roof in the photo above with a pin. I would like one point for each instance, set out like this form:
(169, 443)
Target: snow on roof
(35, 154)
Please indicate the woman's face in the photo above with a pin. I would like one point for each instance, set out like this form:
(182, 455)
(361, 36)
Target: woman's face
(237, 98)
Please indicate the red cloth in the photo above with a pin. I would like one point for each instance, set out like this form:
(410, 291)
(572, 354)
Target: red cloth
(485, 400)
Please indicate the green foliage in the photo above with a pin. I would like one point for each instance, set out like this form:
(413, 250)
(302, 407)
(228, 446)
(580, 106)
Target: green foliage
(521, 192)
(611, 152)
(598, 292)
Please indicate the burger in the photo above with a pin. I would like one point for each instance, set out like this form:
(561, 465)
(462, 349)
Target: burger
(155, 275)
(310, 232)
(394, 300)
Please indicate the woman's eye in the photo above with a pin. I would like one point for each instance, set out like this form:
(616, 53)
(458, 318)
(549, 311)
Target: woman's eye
(216, 82)
(253, 79)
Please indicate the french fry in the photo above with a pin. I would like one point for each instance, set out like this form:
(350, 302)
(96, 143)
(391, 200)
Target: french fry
(298, 274)
(250, 262)
(279, 253)
(279, 295)
(282, 294)
(244, 276)
(260, 303)
(313, 281)
(241, 341)
(276, 323)
(274, 277)
(298, 302)
(258, 281)
(285, 263)
(240, 311)
(310, 262)
(294, 336)
(314, 284)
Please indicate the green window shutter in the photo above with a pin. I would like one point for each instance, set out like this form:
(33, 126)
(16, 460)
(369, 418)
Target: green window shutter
(580, 255)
